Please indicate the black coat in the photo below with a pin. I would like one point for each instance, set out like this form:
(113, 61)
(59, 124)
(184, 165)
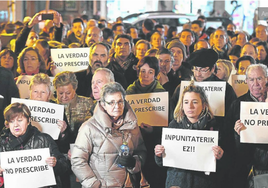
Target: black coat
(84, 78)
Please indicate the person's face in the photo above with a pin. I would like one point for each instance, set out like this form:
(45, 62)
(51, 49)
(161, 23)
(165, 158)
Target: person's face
(192, 106)
(18, 125)
(161, 31)
(78, 29)
(114, 105)
(65, 94)
(201, 45)
(248, 50)
(32, 37)
(202, 73)
(186, 38)
(91, 23)
(241, 39)
(7, 61)
(256, 82)
(146, 75)
(39, 92)
(141, 50)
(165, 63)
(119, 30)
(261, 33)
(233, 59)
(98, 57)
(93, 35)
(122, 47)
(31, 62)
(219, 39)
(230, 27)
(156, 40)
(261, 53)
(133, 33)
(98, 81)
(178, 57)
(220, 71)
(195, 28)
(242, 67)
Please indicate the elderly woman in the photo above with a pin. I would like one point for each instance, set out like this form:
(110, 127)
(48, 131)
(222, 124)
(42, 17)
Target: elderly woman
(96, 152)
(9, 60)
(30, 62)
(141, 47)
(192, 112)
(242, 64)
(147, 69)
(77, 108)
(20, 134)
(224, 69)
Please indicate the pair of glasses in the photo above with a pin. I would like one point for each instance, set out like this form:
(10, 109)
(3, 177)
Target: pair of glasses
(113, 103)
(201, 70)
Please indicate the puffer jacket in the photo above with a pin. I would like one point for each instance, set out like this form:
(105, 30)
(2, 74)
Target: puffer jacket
(97, 146)
(36, 141)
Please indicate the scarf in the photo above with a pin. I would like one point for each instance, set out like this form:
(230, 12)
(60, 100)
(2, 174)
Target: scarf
(201, 124)
(147, 89)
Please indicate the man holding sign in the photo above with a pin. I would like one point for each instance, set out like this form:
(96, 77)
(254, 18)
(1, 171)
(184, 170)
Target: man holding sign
(247, 154)
(192, 112)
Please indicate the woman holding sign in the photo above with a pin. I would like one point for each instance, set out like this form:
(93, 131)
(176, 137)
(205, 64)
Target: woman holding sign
(19, 134)
(191, 112)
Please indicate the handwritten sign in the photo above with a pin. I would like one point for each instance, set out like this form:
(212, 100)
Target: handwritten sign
(238, 82)
(27, 168)
(44, 115)
(254, 117)
(215, 92)
(71, 59)
(150, 108)
(23, 84)
(193, 148)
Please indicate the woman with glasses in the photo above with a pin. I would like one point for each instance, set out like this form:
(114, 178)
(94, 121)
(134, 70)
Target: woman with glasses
(141, 47)
(96, 159)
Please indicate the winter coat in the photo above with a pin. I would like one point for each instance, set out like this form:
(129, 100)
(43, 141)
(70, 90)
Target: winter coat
(189, 178)
(35, 140)
(97, 145)
(136, 88)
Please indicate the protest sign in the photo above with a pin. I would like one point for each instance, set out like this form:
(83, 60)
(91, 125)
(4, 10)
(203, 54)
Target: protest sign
(23, 84)
(254, 117)
(189, 149)
(150, 108)
(44, 115)
(215, 92)
(238, 82)
(70, 59)
(27, 168)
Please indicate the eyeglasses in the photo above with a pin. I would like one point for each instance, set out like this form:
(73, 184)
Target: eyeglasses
(113, 103)
(201, 70)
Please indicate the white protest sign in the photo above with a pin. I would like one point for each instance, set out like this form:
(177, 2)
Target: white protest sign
(189, 149)
(254, 117)
(150, 108)
(70, 59)
(238, 82)
(215, 92)
(23, 84)
(44, 115)
(27, 168)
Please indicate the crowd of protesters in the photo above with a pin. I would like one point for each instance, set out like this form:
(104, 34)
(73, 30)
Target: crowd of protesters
(123, 61)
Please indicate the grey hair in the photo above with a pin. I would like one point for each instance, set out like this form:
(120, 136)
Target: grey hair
(111, 88)
(256, 66)
(65, 78)
(40, 78)
(108, 73)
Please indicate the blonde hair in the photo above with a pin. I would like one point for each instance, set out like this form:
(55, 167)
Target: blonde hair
(228, 67)
(179, 112)
(40, 78)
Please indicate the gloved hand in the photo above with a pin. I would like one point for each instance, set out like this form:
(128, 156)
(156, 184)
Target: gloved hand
(127, 161)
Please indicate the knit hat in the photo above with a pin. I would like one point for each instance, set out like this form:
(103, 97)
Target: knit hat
(177, 43)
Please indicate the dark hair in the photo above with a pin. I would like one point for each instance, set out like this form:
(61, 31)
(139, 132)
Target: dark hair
(124, 36)
(14, 110)
(10, 27)
(100, 43)
(19, 23)
(235, 50)
(202, 17)
(76, 20)
(198, 22)
(210, 30)
(12, 54)
(119, 19)
(166, 51)
(248, 43)
(116, 25)
(84, 17)
(245, 58)
(158, 26)
(148, 24)
(151, 61)
(171, 29)
(107, 32)
(264, 44)
(129, 29)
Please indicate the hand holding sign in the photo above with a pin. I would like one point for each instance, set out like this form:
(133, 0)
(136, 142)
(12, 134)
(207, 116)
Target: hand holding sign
(146, 127)
(159, 150)
(218, 152)
(51, 161)
(239, 126)
(62, 125)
